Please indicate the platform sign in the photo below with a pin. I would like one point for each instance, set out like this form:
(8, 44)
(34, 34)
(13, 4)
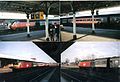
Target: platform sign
(41, 14)
(37, 15)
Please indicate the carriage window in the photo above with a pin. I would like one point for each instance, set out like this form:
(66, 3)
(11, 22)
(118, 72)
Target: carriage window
(88, 19)
(84, 19)
(104, 62)
(79, 20)
(98, 19)
(69, 20)
(64, 20)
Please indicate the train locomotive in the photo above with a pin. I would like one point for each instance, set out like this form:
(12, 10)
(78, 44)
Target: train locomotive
(22, 65)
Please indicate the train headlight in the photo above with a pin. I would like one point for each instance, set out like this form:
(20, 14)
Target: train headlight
(27, 65)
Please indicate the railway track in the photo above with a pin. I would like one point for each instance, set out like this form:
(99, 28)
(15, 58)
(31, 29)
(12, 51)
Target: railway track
(48, 76)
(89, 76)
(27, 75)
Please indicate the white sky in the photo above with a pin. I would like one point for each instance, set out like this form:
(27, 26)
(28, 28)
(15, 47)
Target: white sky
(23, 51)
(11, 15)
(111, 10)
(104, 11)
(86, 50)
(6, 15)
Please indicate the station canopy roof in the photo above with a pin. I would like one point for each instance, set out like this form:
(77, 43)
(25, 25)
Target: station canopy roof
(57, 8)
(91, 50)
(24, 51)
(54, 49)
(29, 6)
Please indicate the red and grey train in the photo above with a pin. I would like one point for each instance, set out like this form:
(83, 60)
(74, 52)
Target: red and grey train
(111, 21)
(27, 64)
(33, 23)
(101, 62)
(22, 23)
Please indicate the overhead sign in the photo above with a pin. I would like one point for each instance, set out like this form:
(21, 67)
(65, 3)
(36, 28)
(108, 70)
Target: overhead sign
(37, 15)
(41, 15)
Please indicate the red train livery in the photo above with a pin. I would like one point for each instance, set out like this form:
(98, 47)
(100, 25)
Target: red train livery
(85, 64)
(87, 21)
(16, 25)
(21, 65)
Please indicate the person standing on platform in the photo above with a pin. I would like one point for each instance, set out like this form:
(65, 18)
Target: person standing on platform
(57, 31)
(51, 30)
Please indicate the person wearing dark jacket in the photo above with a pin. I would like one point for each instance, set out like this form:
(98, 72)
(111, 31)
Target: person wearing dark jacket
(57, 31)
(51, 31)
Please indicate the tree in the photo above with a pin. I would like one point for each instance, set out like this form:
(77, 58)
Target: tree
(67, 61)
(76, 61)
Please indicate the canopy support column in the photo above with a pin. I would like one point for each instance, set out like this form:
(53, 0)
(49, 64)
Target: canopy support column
(28, 28)
(46, 24)
(46, 29)
(60, 37)
(93, 25)
(74, 27)
(74, 22)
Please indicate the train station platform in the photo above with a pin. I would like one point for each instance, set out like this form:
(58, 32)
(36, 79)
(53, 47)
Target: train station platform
(5, 70)
(67, 36)
(83, 34)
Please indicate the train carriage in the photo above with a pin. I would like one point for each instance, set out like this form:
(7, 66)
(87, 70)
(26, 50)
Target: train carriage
(101, 62)
(21, 24)
(111, 21)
